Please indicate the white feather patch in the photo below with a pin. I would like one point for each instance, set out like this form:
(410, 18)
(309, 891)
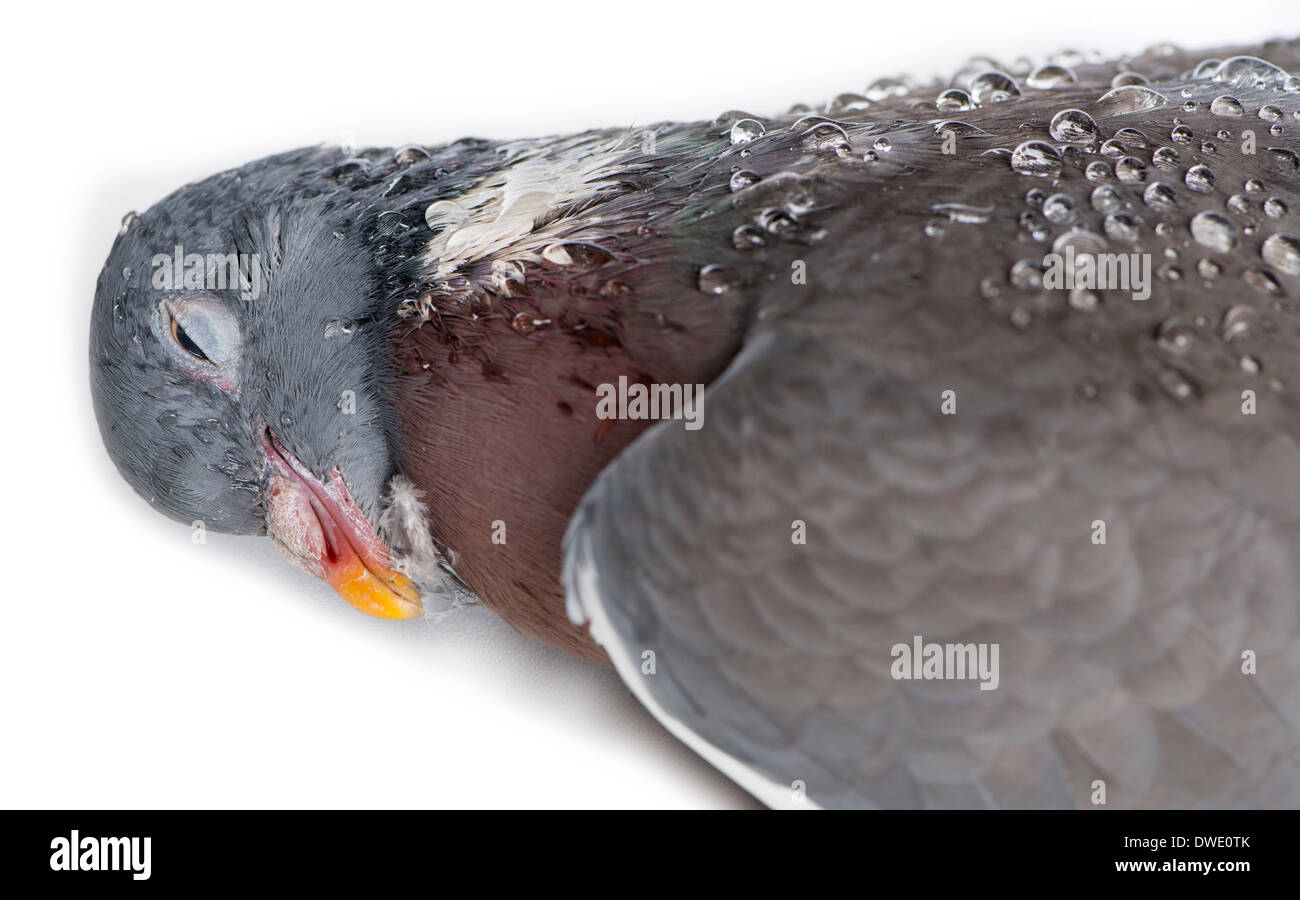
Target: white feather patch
(404, 527)
(502, 210)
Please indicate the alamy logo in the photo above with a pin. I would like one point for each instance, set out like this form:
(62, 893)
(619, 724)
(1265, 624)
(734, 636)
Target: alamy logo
(653, 401)
(104, 854)
(1098, 271)
(181, 271)
(945, 662)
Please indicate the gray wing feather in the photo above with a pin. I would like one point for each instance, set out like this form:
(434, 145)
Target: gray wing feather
(1119, 662)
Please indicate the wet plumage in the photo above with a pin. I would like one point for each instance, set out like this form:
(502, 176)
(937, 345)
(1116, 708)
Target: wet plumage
(834, 275)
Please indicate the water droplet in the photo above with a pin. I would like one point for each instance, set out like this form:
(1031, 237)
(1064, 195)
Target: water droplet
(956, 127)
(954, 100)
(1130, 170)
(882, 145)
(1208, 269)
(747, 237)
(1291, 84)
(964, 213)
(127, 221)
(1254, 185)
(1068, 57)
(746, 130)
(1129, 99)
(1073, 125)
(1165, 158)
(1262, 281)
(1282, 252)
(1250, 71)
(1285, 159)
(1124, 79)
(1176, 336)
(1226, 105)
(1097, 171)
(1275, 207)
(1159, 195)
(732, 115)
(126, 273)
(1205, 69)
(826, 136)
(576, 253)
(1176, 384)
(445, 214)
(286, 419)
(1037, 158)
(848, 103)
(777, 221)
(934, 228)
(1083, 241)
(884, 88)
(1059, 209)
(1021, 317)
(1200, 179)
(1120, 227)
(339, 328)
(1239, 204)
(1240, 323)
(1180, 134)
(1270, 113)
(1084, 300)
(1049, 76)
(168, 419)
(1250, 365)
(1106, 199)
(1132, 139)
(1214, 230)
(527, 322)
(1026, 275)
(1034, 225)
(993, 87)
(742, 179)
(716, 279)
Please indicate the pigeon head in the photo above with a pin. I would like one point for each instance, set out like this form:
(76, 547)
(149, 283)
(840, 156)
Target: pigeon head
(237, 374)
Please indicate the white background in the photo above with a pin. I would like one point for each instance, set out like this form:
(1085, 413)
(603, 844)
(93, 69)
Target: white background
(139, 670)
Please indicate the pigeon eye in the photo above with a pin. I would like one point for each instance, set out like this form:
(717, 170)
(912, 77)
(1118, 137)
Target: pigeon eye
(201, 336)
(187, 343)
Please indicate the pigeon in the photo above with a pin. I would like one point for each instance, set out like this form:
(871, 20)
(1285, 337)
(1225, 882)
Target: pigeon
(934, 447)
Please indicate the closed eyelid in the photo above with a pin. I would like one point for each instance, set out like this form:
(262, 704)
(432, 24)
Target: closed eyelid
(188, 343)
(202, 337)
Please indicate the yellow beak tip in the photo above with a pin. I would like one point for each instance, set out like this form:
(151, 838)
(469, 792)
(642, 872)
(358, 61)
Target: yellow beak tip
(392, 597)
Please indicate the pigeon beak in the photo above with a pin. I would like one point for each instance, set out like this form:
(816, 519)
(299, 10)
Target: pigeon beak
(319, 529)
